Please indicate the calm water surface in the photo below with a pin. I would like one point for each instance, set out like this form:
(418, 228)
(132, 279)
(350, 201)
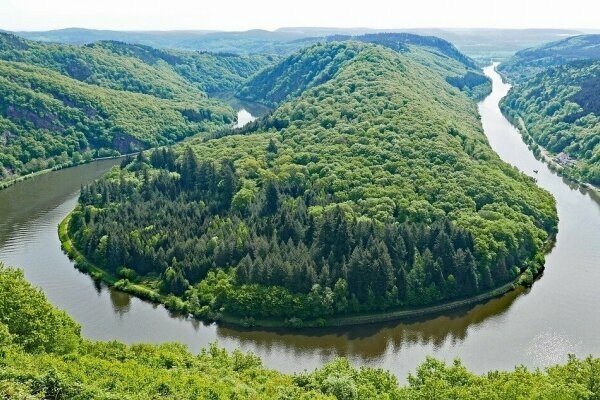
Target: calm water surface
(534, 327)
(243, 118)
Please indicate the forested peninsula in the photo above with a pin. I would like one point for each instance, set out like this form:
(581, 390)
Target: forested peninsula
(370, 188)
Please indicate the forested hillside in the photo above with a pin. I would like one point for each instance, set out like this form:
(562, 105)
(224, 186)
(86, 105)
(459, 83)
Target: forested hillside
(166, 74)
(320, 62)
(210, 72)
(49, 120)
(42, 356)
(560, 110)
(62, 104)
(373, 190)
(527, 63)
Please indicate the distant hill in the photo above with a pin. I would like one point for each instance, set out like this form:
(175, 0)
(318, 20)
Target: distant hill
(400, 42)
(210, 72)
(61, 104)
(248, 42)
(319, 63)
(48, 119)
(556, 96)
(479, 43)
(482, 44)
(137, 68)
(533, 60)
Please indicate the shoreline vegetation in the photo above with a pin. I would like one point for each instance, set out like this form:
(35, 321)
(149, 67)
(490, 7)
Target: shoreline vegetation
(542, 154)
(84, 265)
(44, 355)
(539, 151)
(546, 156)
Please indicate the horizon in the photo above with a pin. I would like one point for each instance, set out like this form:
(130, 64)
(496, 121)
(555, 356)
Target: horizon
(188, 15)
(290, 28)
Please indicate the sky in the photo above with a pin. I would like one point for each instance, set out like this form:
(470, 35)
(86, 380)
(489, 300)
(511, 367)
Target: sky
(273, 14)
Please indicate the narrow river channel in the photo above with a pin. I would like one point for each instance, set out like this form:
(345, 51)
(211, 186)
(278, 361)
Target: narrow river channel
(534, 327)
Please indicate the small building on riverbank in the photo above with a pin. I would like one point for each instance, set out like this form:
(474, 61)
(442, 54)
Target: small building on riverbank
(564, 159)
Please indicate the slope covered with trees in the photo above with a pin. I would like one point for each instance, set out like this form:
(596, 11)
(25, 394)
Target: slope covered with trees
(320, 62)
(560, 111)
(62, 104)
(210, 72)
(49, 120)
(167, 74)
(372, 191)
(527, 63)
(42, 356)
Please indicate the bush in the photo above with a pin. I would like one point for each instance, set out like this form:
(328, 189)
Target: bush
(30, 319)
(294, 322)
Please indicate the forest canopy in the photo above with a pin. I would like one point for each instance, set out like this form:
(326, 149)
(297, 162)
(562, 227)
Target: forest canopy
(50, 360)
(61, 104)
(373, 190)
(559, 107)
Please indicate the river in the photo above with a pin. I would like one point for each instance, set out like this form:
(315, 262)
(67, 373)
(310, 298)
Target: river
(535, 327)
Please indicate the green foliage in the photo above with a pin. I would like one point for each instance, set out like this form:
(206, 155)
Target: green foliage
(302, 70)
(29, 321)
(63, 105)
(49, 120)
(319, 63)
(112, 370)
(527, 63)
(560, 110)
(167, 74)
(379, 191)
(210, 72)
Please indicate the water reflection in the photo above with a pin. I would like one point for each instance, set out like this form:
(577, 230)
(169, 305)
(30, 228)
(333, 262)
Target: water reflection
(121, 301)
(450, 329)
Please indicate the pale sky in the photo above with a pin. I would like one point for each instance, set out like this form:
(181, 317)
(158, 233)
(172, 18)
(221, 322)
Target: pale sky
(272, 14)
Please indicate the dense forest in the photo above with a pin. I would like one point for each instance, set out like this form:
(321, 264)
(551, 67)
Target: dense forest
(169, 74)
(560, 111)
(62, 104)
(49, 120)
(527, 63)
(43, 356)
(317, 64)
(374, 190)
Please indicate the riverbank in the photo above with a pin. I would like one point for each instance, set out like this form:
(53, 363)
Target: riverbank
(174, 304)
(540, 152)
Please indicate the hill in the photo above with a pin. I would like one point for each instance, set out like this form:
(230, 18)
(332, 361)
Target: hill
(481, 44)
(48, 120)
(526, 63)
(162, 73)
(254, 41)
(314, 66)
(555, 100)
(560, 111)
(42, 355)
(63, 103)
(210, 72)
(372, 190)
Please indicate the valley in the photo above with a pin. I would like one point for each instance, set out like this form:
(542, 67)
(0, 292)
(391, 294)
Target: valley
(511, 323)
(300, 213)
